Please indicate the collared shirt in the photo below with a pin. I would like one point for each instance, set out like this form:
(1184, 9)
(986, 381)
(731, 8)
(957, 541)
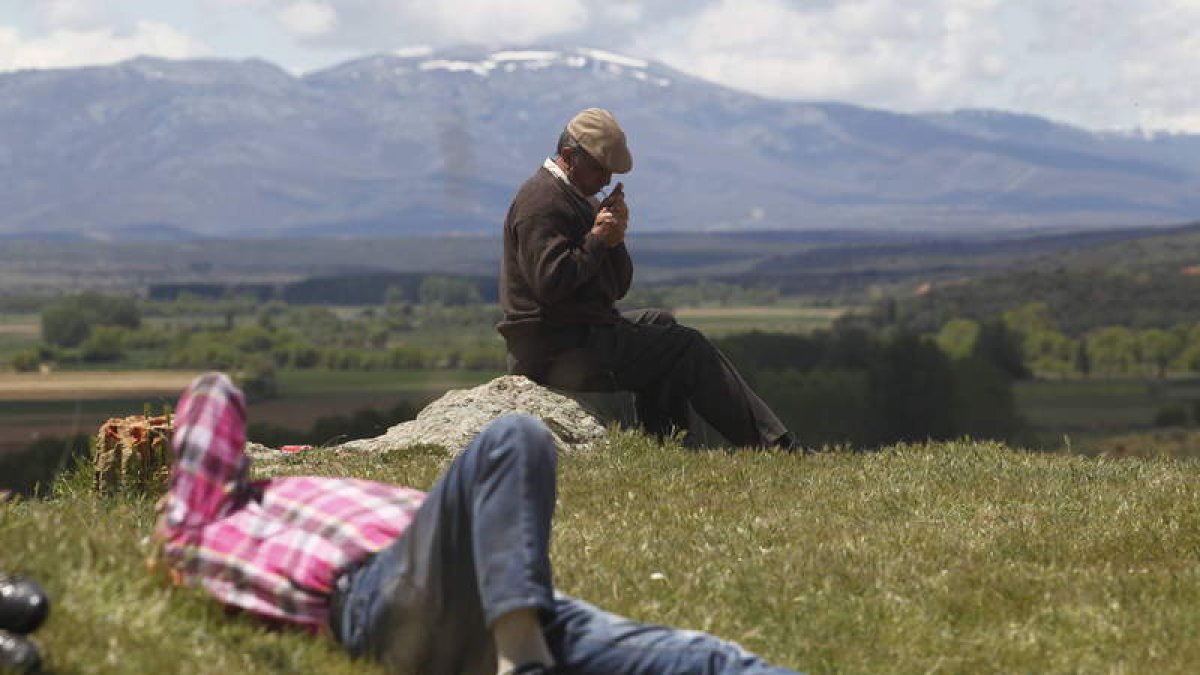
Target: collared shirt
(556, 171)
(273, 547)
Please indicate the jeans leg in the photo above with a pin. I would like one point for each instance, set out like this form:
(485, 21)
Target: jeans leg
(476, 549)
(588, 641)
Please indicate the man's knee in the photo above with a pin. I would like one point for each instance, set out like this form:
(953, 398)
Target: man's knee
(522, 435)
(651, 317)
(660, 317)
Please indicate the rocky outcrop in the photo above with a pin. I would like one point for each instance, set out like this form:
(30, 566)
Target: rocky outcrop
(577, 423)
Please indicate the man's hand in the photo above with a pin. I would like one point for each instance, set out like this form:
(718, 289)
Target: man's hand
(608, 228)
(611, 222)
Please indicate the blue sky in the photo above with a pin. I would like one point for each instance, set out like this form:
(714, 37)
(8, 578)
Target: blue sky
(1099, 64)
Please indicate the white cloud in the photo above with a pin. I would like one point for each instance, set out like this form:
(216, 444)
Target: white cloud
(877, 51)
(72, 13)
(62, 48)
(1103, 63)
(308, 18)
(385, 25)
(1159, 75)
(621, 13)
(489, 22)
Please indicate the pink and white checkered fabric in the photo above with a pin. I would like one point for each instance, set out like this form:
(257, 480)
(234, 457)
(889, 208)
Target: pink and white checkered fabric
(273, 547)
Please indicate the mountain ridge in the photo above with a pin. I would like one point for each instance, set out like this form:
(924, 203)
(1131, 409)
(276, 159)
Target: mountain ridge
(439, 141)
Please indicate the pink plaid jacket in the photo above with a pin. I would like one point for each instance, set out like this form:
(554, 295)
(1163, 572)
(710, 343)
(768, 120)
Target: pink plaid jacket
(273, 547)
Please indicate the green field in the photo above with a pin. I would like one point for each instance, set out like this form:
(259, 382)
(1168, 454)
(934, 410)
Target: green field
(305, 395)
(1073, 413)
(954, 557)
(18, 332)
(1089, 410)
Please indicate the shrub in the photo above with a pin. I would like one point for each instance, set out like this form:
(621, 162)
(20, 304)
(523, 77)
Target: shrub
(104, 344)
(25, 361)
(1172, 415)
(69, 321)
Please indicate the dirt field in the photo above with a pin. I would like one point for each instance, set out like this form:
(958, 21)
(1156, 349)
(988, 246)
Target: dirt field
(34, 406)
(98, 384)
(751, 312)
(718, 321)
(21, 329)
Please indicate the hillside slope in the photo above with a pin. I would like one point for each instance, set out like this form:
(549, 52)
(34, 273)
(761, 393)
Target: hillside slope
(959, 557)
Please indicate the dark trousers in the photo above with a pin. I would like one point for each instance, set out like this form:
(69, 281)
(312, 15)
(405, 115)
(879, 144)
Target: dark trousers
(674, 369)
(479, 548)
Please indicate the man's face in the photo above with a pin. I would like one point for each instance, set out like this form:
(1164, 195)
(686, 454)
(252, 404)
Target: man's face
(585, 172)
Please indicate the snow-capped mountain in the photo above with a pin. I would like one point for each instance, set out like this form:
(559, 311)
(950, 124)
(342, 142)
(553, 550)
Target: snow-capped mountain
(429, 141)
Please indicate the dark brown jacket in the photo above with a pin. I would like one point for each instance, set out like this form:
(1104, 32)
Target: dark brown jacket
(554, 272)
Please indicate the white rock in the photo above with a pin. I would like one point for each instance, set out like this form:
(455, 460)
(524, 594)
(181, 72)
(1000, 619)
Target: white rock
(455, 418)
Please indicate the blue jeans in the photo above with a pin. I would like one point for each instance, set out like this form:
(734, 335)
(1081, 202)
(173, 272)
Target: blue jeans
(478, 548)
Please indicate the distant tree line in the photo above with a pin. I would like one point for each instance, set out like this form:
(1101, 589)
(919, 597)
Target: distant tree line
(350, 289)
(254, 341)
(853, 386)
(1080, 301)
(1043, 348)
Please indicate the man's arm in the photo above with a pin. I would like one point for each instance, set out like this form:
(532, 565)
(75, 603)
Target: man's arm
(554, 265)
(618, 254)
(623, 266)
(211, 468)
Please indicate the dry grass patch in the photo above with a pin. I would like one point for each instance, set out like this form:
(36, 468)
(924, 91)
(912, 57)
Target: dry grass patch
(92, 384)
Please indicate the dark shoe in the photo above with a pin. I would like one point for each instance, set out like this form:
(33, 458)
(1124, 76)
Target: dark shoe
(786, 443)
(23, 604)
(18, 654)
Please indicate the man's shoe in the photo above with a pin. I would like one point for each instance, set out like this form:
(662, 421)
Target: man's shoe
(786, 442)
(18, 654)
(23, 604)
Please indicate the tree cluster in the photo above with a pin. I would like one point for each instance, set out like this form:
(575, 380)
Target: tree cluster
(372, 288)
(856, 387)
(233, 334)
(72, 320)
(1043, 349)
(1080, 301)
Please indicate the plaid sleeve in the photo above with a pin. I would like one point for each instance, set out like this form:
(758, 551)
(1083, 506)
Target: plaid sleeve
(211, 467)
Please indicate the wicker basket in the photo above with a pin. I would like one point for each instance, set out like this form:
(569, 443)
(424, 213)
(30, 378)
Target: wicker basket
(133, 454)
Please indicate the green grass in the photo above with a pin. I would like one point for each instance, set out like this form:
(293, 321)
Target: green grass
(953, 557)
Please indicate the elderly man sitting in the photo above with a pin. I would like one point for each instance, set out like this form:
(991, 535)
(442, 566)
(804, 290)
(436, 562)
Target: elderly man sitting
(565, 265)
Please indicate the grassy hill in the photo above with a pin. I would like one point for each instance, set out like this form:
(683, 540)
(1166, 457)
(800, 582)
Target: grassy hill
(954, 557)
(1136, 278)
(1155, 249)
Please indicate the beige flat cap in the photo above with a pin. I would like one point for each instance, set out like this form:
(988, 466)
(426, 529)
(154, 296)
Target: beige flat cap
(599, 134)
